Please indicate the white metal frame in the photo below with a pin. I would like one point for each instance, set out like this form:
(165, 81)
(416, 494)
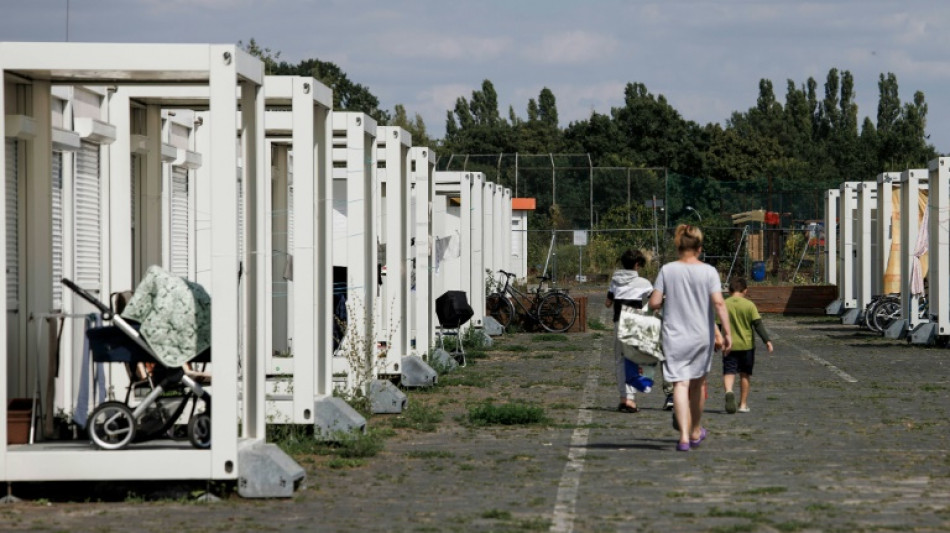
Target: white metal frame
(912, 181)
(885, 227)
(476, 285)
(307, 127)
(451, 234)
(422, 330)
(866, 227)
(848, 204)
(228, 71)
(831, 237)
(354, 232)
(394, 194)
(938, 202)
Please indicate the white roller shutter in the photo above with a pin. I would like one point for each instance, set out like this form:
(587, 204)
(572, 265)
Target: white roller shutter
(57, 237)
(178, 231)
(87, 224)
(13, 241)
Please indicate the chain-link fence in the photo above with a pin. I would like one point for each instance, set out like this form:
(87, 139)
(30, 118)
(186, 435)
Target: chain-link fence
(628, 207)
(775, 255)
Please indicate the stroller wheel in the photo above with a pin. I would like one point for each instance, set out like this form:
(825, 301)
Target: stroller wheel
(199, 431)
(112, 426)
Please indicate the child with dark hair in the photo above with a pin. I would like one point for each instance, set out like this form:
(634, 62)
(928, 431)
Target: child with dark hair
(627, 288)
(744, 318)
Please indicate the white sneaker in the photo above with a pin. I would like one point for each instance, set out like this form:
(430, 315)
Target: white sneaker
(743, 409)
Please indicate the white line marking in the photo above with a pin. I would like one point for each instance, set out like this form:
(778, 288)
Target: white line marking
(566, 502)
(835, 370)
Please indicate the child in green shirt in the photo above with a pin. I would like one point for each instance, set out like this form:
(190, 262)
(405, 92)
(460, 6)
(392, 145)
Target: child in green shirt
(743, 318)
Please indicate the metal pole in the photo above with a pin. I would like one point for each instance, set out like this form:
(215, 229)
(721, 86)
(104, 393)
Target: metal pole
(553, 172)
(666, 197)
(629, 213)
(590, 165)
(516, 175)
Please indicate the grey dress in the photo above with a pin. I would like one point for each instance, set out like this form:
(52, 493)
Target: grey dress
(688, 318)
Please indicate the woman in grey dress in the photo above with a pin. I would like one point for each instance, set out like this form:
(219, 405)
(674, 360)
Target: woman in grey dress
(693, 293)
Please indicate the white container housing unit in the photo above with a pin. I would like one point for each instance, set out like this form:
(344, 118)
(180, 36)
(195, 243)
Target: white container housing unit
(452, 235)
(394, 175)
(355, 259)
(298, 128)
(95, 204)
(422, 312)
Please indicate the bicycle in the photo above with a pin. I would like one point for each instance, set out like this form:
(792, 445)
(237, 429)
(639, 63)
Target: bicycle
(554, 310)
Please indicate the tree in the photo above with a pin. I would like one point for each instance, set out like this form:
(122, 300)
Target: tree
(416, 126)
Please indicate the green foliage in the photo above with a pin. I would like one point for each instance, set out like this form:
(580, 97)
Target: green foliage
(505, 414)
(418, 416)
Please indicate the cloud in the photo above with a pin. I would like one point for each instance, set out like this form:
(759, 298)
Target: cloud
(444, 47)
(572, 48)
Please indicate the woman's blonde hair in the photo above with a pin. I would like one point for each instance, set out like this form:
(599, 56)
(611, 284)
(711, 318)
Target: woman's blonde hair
(688, 237)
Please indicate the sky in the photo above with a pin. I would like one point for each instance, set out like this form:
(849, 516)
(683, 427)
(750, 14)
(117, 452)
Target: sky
(705, 56)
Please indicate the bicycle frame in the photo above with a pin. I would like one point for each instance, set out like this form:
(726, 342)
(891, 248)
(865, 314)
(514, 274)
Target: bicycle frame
(516, 296)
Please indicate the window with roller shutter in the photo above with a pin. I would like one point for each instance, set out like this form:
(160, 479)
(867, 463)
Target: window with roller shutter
(87, 233)
(178, 231)
(13, 240)
(56, 201)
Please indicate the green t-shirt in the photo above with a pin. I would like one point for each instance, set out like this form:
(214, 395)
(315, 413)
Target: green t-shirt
(742, 313)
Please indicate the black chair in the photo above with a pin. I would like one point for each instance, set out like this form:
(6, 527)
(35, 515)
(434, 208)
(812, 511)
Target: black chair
(453, 310)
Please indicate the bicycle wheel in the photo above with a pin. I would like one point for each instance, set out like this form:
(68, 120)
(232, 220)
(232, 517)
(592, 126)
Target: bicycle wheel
(557, 312)
(886, 313)
(500, 308)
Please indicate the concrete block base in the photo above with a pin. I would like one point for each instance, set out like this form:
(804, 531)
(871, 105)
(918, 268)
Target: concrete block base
(386, 398)
(443, 360)
(480, 338)
(897, 330)
(333, 416)
(834, 308)
(265, 471)
(417, 373)
(492, 327)
(851, 317)
(924, 334)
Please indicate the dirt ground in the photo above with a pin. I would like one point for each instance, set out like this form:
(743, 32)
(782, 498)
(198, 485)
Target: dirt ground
(847, 432)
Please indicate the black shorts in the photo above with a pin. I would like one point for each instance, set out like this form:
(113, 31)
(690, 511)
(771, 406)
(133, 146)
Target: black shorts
(739, 362)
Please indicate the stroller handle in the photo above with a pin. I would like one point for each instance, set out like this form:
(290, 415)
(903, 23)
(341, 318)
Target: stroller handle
(86, 296)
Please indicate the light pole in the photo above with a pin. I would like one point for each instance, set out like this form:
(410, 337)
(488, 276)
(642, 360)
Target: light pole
(695, 212)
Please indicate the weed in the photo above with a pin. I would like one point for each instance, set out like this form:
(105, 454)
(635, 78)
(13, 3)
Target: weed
(514, 348)
(418, 416)
(764, 490)
(550, 337)
(464, 379)
(340, 462)
(534, 524)
(735, 528)
(596, 324)
(293, 439)
(736, 513)
(792, 526)
(359, 445)
(505, 414)
(430, 454)
(496, 514)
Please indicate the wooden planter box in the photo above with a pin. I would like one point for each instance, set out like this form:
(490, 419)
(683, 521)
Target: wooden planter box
(19, 411)
(793, 300)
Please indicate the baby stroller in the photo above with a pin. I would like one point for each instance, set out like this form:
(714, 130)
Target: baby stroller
(163, 377)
